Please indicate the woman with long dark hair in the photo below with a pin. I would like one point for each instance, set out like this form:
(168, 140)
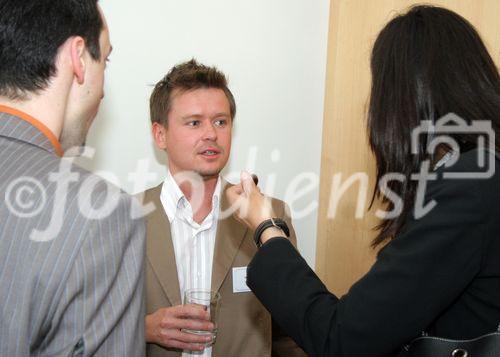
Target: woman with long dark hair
(434, 112)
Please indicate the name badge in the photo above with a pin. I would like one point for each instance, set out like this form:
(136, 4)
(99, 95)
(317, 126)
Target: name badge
(240, 280)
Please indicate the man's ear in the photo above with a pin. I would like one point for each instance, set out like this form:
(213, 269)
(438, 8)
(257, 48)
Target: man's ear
(78, 50)
(160, 135)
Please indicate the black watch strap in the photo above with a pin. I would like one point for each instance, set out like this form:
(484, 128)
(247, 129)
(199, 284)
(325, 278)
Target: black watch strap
(272, 222)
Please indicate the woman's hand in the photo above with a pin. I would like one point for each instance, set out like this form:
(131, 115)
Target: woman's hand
(250, 206)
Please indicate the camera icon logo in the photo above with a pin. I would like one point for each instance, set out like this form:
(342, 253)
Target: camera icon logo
(440, 133)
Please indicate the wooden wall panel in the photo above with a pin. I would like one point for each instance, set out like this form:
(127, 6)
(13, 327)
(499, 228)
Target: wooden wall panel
(343, 253)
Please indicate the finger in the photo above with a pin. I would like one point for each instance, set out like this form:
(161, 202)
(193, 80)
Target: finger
(233, 193)
(247, 182)
(184, 346)
(188, 323)
(238, 189)
(193, 311)
(187, 337)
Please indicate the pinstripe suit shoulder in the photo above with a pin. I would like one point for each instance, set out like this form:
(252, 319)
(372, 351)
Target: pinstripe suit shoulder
(71, 256)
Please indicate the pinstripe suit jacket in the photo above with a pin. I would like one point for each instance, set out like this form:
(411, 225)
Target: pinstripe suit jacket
(71, 290)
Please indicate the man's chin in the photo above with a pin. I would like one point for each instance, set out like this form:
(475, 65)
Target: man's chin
(209, 173)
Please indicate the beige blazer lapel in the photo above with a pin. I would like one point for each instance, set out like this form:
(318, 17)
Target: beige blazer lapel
(160, 249)
(228, 240)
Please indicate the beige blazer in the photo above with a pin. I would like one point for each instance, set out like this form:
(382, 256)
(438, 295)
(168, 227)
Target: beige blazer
(244, 325)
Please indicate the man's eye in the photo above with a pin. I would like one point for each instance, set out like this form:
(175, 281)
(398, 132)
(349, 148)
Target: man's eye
(221, 122)
(193, 123)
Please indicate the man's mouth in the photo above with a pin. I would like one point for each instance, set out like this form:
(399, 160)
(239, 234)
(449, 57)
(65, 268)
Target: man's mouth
(210, 152)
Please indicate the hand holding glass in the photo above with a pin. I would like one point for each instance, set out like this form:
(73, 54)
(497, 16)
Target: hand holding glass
(209, 300)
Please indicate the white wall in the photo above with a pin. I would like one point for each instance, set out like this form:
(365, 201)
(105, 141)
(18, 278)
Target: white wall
(274, 53)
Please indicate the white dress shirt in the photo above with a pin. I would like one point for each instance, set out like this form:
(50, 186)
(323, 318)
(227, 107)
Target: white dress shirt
(193, 243)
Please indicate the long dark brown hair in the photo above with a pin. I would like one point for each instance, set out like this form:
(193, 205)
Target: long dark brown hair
(425, 64)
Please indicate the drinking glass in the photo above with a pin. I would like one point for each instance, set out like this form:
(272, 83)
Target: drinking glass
(210, 301)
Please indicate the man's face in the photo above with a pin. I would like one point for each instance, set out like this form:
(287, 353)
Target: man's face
(89, 96)
(197, 137)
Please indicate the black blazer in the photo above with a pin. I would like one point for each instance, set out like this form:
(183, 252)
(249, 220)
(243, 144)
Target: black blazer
(441, 275)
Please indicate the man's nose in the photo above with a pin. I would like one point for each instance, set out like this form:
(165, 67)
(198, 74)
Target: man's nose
(210, 132)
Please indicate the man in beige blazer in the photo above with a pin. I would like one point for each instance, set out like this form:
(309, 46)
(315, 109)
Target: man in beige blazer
(192, 111)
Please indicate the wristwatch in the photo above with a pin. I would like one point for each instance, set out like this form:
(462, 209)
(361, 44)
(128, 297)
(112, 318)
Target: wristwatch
(272, 222)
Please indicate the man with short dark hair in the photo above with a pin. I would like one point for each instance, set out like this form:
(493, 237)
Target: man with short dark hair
(71, 254)
(193, 242)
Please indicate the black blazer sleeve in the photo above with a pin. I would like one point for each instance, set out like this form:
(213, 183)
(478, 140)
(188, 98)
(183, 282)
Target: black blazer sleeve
(415, 279)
